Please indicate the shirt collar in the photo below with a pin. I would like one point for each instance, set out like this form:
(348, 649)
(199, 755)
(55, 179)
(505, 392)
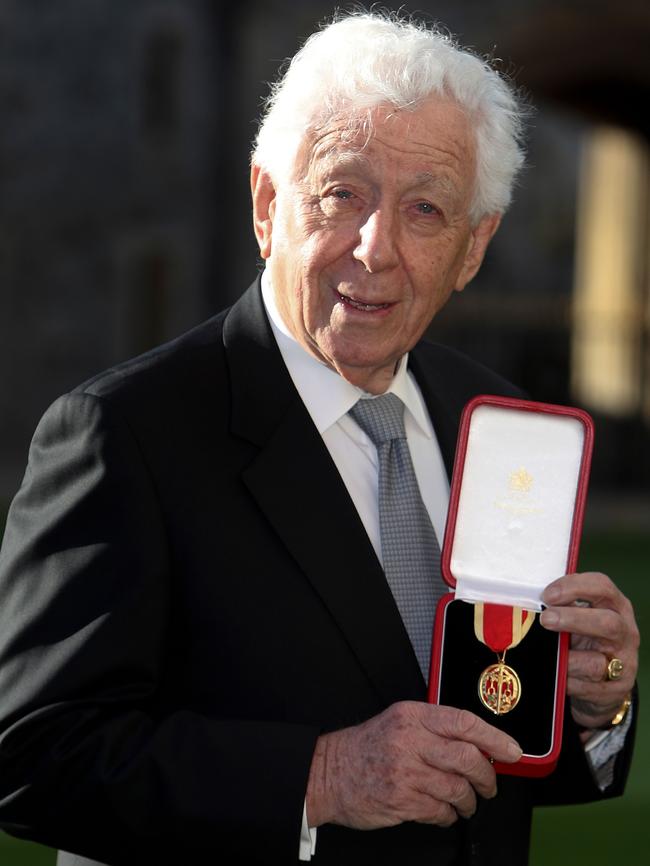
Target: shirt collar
(326, 395)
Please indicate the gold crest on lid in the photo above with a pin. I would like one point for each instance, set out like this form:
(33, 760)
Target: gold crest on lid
(521, 481)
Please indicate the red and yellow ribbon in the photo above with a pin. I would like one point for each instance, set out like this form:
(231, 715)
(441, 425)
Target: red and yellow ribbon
(501, 626)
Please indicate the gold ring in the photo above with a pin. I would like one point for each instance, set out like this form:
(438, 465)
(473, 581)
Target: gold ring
(614, 669)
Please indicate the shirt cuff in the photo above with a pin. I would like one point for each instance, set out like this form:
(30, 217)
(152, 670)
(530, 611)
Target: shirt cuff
(601, 751)
(307, 837)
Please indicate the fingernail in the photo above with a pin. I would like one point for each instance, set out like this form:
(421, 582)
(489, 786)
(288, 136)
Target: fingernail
(514, 751)
(549, 618)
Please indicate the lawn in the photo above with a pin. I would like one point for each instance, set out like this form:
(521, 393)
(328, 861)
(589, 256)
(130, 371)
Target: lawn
(594, 835)
(617, 831)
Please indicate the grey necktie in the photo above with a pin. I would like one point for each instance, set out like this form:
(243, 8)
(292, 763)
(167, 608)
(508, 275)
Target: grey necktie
(409, 548)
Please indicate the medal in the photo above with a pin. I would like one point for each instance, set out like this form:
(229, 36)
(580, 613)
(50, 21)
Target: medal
(500, 627)
(499, 688)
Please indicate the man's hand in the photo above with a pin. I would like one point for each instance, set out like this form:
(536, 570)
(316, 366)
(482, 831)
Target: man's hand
(602, 626)
(413, 762)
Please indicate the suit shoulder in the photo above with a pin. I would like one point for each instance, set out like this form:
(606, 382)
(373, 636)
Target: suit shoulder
(466, 374)
(170, 368)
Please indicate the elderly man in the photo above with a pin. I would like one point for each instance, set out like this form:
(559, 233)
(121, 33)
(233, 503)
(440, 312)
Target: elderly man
(202, 657)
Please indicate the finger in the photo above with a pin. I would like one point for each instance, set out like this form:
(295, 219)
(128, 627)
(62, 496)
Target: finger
(594, 587)
(604, 625)
(466, 764)
(432, 810)
(594, 700)
(602, 696)
(451, 789)
(462, 725)
(587, 665)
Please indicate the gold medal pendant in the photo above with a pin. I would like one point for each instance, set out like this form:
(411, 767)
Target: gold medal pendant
(500, 627)
(499, 687)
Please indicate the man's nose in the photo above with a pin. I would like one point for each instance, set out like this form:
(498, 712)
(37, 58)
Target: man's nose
(377, 247)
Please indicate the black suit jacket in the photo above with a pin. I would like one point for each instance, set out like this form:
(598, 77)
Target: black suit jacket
(188, 599)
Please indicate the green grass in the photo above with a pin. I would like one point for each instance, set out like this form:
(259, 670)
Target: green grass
(16, 853)
(616, 831)
(600, 834)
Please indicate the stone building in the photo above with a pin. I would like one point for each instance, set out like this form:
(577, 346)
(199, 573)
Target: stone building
(107, 158)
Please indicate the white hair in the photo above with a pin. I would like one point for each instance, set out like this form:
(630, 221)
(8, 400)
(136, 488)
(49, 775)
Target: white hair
(364, 60)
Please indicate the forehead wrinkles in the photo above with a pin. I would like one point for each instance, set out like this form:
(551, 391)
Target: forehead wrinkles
(443, 145)
(443, 179)
(449, 162)
(334, 147)
(444, 157)
(330, 157)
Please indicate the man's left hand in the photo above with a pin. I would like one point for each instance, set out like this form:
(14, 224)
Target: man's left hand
(602, 626)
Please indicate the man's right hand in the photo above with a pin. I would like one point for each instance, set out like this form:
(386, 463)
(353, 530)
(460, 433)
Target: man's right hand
(413, 762)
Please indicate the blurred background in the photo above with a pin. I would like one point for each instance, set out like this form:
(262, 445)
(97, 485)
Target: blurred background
(125, 219)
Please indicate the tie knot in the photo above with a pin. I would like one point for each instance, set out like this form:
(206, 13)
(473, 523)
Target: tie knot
(381, 418)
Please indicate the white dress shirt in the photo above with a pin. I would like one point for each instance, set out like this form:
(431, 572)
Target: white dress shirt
(328, 398)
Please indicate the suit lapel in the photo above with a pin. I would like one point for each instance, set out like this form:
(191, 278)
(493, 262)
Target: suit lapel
(441, 397)
(298, 487)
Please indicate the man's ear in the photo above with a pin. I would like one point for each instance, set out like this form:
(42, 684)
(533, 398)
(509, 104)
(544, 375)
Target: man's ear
(263, 193)
(478, 243)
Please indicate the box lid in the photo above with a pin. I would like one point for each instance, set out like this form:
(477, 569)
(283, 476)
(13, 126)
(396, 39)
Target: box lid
(517, 499)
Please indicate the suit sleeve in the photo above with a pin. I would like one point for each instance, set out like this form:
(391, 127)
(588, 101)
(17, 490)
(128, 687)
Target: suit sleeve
(93, 759)
(574, 780)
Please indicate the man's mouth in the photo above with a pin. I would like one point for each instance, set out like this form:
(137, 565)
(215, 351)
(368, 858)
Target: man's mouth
(361, 305)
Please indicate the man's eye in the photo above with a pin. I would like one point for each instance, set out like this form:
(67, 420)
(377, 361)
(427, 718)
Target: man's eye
(426, 207)
(342, 194)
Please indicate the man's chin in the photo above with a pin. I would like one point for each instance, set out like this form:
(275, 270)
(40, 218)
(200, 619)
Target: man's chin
(369, 374)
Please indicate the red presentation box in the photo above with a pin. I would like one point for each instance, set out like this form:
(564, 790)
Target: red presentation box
(515, 519)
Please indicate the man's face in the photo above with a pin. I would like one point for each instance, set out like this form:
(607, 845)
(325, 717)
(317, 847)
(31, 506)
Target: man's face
(373, 235)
